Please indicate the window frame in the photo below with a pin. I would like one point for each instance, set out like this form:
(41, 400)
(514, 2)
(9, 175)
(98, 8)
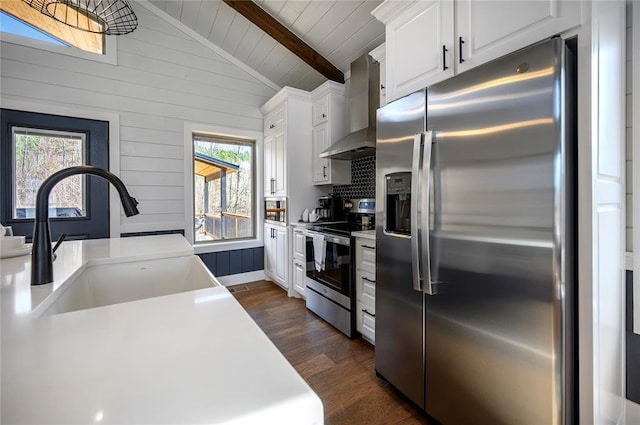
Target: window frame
(41, 132)
(191, 129)
(251, 144)
(109, 56)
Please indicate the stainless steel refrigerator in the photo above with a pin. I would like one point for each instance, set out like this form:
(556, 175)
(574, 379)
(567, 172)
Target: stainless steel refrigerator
(475, 273)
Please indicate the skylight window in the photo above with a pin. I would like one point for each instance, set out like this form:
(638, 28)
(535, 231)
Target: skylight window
(16, 17)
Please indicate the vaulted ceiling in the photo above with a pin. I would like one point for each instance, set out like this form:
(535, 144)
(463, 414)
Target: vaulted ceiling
(340, 31)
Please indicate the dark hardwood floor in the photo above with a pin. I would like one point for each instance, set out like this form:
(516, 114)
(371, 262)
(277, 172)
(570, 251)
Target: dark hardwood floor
(340, 370)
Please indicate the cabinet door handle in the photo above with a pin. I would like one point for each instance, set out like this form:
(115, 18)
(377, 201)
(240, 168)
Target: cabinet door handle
(324, 115)
(381, 86)
(367, 311)
(272, 126)
(460, 43)
(273, 185)
(368, 247)
(444, 57)
(324, 171)
(368, 280)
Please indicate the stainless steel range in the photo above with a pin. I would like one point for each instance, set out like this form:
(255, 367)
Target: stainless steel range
(330, 258)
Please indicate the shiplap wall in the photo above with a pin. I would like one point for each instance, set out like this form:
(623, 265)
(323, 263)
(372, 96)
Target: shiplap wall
(163, 79)
(629, 141)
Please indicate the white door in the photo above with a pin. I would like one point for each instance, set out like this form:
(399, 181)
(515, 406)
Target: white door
(320, 142)
(299, 245)
(279, 169)
(487, 30)
(299, 274)
(601, 272)
(269, 182)
(280, 248)
(420, 47)
(269, 249)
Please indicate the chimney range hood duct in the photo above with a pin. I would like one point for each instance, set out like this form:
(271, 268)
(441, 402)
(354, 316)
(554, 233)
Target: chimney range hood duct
(365, 99)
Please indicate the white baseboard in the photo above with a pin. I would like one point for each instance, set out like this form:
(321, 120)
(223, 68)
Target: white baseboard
(237, 279)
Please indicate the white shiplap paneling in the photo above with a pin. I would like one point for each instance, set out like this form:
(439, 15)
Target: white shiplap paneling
(163, 79)
(629, 122)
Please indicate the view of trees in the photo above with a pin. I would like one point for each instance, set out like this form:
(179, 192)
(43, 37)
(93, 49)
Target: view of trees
(37, 156)
(239, 183)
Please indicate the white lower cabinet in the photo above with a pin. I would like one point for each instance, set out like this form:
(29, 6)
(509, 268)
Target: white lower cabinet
(366, 289)
(299, 274)
(299, 260)
(275, 254)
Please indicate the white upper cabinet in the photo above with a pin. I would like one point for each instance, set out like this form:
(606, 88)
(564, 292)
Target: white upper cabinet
(419, 44)
(329, 120)
(320, 111)
(379, 54)
(430, 41)
(275, 183)
(275, 121)
(320, 142)
(287, 151)
(275, 124)
(521, 23)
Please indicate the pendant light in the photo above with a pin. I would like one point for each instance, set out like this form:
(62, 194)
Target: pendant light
(110, 17)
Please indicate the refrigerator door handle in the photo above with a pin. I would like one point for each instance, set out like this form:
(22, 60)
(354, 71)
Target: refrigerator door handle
(416, 258)
(429, 287)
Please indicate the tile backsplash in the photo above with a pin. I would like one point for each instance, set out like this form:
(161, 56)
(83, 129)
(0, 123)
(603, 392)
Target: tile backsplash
(363, 180)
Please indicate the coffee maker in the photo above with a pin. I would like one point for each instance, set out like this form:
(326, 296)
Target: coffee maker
(331, 208)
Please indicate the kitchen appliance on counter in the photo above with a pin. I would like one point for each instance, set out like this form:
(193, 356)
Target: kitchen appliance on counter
(275, 210)
(476, 246)
(331, 208)
(330, 258)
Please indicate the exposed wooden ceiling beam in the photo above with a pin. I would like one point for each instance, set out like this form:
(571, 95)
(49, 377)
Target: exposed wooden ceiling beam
(284, 36)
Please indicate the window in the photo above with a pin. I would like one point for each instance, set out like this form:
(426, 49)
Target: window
(223, 188)
(34, 146)
(20, 19)
(38, 154)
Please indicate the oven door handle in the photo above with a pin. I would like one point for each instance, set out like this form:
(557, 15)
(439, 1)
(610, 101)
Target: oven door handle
(331, 238)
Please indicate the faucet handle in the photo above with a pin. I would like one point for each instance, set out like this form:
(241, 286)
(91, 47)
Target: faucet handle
(55, 247)
(59, 241)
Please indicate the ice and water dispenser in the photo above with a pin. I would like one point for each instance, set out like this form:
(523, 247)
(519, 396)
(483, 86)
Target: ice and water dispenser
(398, 203)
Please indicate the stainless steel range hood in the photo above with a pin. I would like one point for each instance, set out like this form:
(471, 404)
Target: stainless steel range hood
(365, 99)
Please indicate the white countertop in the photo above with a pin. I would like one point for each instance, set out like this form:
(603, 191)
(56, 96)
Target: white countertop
(365, 234)
(191, 357)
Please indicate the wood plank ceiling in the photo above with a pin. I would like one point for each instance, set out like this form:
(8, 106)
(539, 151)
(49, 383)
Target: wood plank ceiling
(341, 31)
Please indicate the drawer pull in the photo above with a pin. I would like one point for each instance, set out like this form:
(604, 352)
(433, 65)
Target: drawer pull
(367, 311)
(368, 280)
(368, 247)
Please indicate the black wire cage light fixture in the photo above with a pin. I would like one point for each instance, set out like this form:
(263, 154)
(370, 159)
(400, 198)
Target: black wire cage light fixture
(110, 17)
